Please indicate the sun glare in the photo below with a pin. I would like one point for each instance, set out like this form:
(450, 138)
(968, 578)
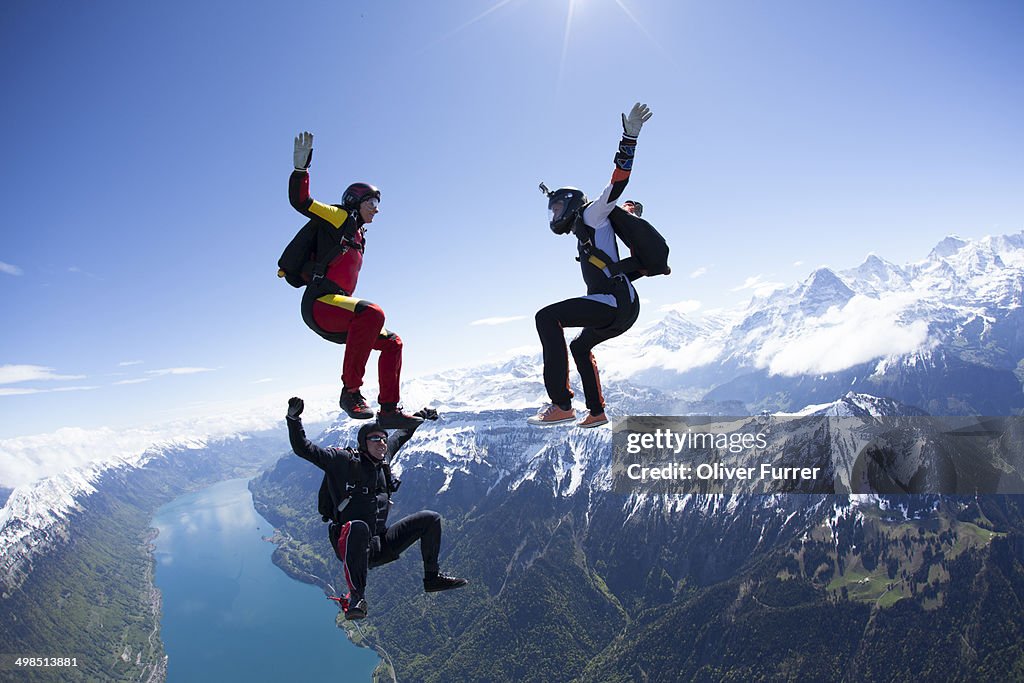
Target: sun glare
(573, 7)
(565, 39)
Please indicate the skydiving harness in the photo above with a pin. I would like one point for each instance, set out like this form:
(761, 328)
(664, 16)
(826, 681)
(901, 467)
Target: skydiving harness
(302, 264)
(618, 274)
(594, 256)
(318, 268)
(648, 249)
(331, 501)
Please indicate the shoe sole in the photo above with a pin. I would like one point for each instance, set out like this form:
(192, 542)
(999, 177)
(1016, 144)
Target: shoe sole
(591, 425)
(449, 588)
(549, 423)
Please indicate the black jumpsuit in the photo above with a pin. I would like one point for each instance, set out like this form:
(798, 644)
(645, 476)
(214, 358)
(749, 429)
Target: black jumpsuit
(360, 536)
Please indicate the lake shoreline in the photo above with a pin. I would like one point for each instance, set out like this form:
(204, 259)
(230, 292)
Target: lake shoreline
(158, 594)
(279, 539)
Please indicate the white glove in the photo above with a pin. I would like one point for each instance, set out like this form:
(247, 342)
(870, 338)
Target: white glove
(303, 154)
(638, 116)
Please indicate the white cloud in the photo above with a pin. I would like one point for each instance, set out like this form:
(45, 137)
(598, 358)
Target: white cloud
(23, 391)
(178, 371)
(758, 286)
(697, 273)
(137, 380)
(10, 374)
(25, 459)
(9, 269)
(7, 391)
(688, 306)
(498, 320)
(623, 362)
(797, 264)
(749, 283)
(768, 287)
(265, 380)
(126, 363)
(863, 330)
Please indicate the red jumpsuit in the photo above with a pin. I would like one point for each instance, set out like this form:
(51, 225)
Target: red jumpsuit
(342, 318)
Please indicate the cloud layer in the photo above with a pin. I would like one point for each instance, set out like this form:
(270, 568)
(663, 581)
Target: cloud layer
(863, 330)
(26, 459)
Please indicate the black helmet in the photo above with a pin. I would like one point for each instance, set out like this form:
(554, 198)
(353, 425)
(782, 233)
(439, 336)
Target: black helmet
(563, 204)
(638, 208)
(365, 431)
(357, 193)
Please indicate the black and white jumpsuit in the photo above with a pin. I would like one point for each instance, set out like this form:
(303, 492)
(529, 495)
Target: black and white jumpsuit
(609, 308)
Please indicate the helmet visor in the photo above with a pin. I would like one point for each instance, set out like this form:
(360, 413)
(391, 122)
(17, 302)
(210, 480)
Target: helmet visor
(556, 207)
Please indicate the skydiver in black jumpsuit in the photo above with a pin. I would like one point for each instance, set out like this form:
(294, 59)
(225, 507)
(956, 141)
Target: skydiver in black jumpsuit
(361, 485)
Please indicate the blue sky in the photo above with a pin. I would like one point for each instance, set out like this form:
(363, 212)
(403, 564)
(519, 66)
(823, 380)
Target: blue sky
(147, 148)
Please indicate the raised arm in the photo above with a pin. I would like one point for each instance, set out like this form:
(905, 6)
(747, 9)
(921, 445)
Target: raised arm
(298, 186)
(302, 446)
(599, 209)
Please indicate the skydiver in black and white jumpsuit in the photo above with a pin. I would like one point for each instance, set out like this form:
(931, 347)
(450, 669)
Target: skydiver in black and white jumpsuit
(610, 306)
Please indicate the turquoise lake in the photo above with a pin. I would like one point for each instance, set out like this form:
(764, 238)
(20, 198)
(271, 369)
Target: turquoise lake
(228, 613)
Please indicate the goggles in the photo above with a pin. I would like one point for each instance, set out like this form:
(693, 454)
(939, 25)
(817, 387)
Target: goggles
(377, 438)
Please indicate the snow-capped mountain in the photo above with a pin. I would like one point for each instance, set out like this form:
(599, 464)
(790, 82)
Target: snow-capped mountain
(41, 515)
(548, 541)
(37, 515)
(945, 334)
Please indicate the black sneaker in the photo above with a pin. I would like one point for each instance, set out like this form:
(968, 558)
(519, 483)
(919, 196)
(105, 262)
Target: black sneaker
(353, 403)
(356, 611)
(393, 417)
(442, 582)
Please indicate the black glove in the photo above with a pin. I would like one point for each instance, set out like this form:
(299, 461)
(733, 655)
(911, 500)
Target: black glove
(395, 483)
(426, 413)
(295, 406)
